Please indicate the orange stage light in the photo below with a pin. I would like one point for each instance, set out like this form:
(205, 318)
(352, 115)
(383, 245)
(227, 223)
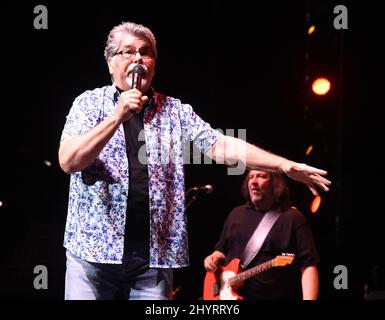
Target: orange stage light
(309, 150)
(311, 30)
(315, 204)
(321, 86)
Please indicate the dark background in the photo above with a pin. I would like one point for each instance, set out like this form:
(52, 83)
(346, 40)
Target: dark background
(240, 66)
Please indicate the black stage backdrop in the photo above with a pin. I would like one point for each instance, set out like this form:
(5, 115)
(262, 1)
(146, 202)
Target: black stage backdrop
(241, 66)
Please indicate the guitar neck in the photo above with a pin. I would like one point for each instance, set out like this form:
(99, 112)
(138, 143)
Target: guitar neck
(252, 272)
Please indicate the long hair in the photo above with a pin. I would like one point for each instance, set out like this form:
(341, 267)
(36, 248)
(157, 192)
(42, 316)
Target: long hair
(281, 191)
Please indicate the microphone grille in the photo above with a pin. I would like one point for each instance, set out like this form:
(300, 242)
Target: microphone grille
(139, 70)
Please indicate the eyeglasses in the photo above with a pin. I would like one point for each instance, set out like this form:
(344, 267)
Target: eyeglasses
(128, 54)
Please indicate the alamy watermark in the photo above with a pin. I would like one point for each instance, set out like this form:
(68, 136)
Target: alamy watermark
(41, 280)
(341, 20)
(41, 19)
(341, 280)
(229, 151)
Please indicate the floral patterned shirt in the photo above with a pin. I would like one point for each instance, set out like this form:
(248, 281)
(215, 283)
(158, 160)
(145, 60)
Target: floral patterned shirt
(98, 194)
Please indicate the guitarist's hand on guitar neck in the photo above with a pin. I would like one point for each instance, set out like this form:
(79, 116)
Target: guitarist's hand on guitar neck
(211, 261)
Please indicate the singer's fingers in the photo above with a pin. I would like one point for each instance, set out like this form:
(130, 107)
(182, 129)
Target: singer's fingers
(135, 101)
(309, 169)
(144, 99)
(320, 180)
(290, 166)
(134, 94)
(322, 186)
(312, 189)
(131, 95)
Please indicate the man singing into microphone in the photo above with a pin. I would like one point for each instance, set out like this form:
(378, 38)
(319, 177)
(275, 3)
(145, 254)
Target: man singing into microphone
(126, 227)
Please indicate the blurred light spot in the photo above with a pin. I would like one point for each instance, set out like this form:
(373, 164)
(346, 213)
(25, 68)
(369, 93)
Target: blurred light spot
(315, 204)
(47, 163)
(1, 204)
(321, 86)
(311, 30)
(309, 149)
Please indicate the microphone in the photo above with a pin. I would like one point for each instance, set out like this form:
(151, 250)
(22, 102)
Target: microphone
(137, 75)
(205, 189)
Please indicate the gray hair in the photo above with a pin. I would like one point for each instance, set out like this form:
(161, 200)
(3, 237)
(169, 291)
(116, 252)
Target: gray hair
(139, 30)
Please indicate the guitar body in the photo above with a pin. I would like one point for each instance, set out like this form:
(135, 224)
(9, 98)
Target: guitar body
(216, 285)
(223, 283)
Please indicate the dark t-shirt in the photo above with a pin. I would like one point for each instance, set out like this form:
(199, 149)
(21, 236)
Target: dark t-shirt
(137, 219)
(290, 234)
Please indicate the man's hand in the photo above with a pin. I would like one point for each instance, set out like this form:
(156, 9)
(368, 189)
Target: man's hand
(130, 102)
(306, 174)
(211, 261)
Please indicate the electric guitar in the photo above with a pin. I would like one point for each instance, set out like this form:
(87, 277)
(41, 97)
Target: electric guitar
(223, 283)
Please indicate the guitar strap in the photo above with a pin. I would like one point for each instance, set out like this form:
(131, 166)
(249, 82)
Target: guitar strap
(258, 237)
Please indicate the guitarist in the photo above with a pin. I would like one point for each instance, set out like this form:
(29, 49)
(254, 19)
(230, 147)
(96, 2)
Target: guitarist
(291, 233)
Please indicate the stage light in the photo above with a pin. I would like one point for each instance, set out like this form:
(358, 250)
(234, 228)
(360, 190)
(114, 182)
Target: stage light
(321, 86)
(315, 204)
(311, 30)
(1, 204)
(309, 149)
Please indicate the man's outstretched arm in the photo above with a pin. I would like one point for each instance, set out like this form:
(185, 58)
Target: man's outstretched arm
(233, 151)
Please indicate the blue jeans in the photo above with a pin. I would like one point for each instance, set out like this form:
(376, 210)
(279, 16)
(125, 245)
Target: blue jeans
(132, 279)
